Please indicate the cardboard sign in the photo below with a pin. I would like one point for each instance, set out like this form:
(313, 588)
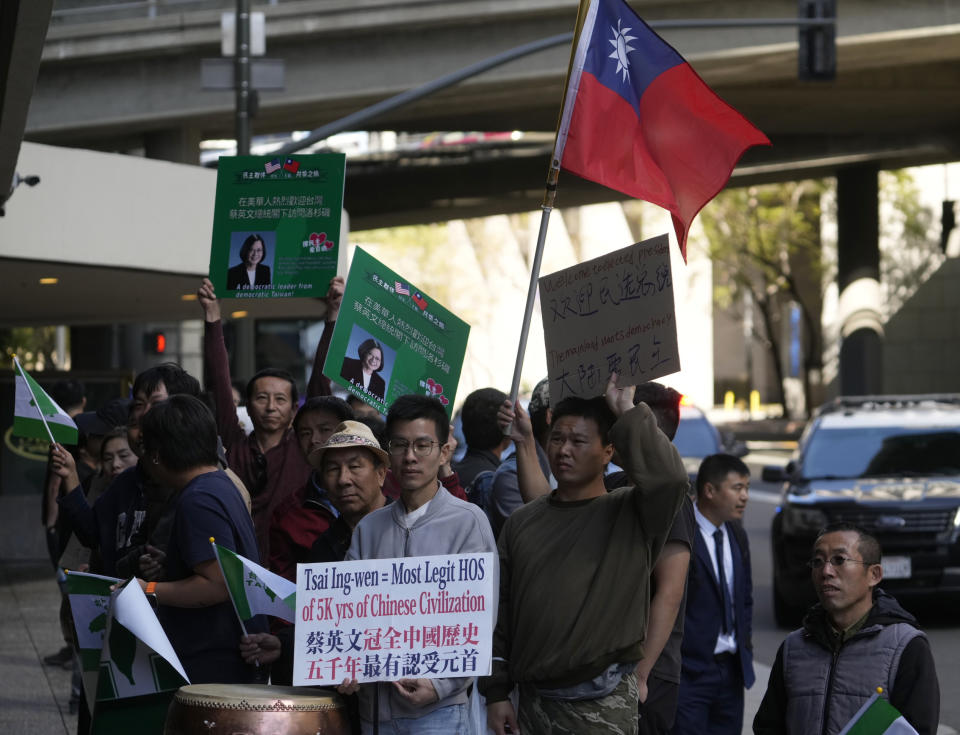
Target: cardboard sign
(392, 339)
(422, 617)
(611, 314)
(276, 225)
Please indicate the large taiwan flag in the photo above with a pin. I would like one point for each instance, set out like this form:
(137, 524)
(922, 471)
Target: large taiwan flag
(637, 118)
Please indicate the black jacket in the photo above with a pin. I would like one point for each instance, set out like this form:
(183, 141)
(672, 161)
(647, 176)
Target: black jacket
(915, 693)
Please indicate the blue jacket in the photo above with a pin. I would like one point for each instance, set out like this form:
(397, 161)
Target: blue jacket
(704, 613)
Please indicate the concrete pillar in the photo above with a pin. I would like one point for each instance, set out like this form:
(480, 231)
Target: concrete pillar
(858, 277)
(179, 145)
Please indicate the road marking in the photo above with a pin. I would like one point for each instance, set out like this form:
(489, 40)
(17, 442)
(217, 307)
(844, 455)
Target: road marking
(765, 496)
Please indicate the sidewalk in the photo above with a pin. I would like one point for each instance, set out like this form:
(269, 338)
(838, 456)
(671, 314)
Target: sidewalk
(34, 697)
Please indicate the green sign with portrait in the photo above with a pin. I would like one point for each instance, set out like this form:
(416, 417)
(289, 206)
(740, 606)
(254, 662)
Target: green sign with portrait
(392, 339)
(276, 225)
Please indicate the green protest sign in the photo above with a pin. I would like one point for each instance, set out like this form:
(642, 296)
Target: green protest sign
(276, 225)
(392, 339)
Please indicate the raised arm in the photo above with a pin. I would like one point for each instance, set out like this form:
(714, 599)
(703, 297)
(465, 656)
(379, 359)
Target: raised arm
(651, 461)
(530, 478)
(319, 384)
(218, 366)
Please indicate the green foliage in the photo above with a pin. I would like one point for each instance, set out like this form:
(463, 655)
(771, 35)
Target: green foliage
(908, 252)
(765, 245)
(34, 346)
(756, 236)
(409, 250)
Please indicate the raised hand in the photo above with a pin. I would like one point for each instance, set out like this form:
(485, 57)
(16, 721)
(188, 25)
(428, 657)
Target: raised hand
(334, 298)
(514, 422)
(64, 466)
(620, 400)
(208, 301)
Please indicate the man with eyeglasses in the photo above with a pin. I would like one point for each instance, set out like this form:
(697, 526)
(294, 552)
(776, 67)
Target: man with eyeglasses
(426, 520)
(856, 639)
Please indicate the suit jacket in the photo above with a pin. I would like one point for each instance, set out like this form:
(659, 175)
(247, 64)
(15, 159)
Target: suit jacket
(704, 613)
(352, 370)
(237, 277)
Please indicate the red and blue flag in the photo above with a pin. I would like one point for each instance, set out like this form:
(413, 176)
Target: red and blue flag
(291, 165)
(638, 119)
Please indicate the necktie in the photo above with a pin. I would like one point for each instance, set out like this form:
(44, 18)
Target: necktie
(722, 578)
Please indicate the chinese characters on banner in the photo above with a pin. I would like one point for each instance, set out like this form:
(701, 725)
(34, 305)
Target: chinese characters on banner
(276, 225)
(422, 617)
(392, 339)
(611, 314)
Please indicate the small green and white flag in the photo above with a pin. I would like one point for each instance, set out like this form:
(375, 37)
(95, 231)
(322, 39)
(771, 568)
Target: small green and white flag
(255, 590)
(36, 415)
(89, 596)
(137, 657)
(878, 717)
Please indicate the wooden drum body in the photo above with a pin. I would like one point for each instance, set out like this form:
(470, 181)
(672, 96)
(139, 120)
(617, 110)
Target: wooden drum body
(253, 709)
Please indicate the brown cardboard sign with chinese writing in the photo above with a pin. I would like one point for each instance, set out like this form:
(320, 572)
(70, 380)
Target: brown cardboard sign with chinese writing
(611, 314)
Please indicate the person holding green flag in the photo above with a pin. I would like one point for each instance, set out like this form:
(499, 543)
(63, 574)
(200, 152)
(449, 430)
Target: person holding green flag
(856, 639)
(179, 439)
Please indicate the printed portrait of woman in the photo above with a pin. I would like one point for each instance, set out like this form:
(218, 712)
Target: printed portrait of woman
(251, 271)
(363, 372)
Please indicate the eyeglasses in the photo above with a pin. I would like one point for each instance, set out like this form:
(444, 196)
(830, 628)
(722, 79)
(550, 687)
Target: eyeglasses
(836, 561)
(421, 447)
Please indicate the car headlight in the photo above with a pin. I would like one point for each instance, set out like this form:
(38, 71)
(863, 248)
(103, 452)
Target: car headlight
(799, 520)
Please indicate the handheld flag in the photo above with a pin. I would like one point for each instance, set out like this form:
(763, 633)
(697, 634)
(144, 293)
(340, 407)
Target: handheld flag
(89, 596)
(255, 590)
(137, 657)
(878, 717)
(637, 118)
(36, 415)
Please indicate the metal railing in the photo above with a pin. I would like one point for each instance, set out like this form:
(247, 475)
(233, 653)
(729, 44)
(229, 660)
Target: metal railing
(81, 11)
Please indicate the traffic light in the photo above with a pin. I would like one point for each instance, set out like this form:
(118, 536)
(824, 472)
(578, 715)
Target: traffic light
(155, 343)
(817, 52)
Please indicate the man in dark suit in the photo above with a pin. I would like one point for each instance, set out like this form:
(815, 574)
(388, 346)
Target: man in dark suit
(717, 653)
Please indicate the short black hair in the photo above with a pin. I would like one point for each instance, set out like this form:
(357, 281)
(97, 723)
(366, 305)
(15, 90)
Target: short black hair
(240, 387)
(412, 407)
(174, 378)
(183, 433)
(867, 544)
(68, 393)
(479, 417)
(379, 428)
(595, 409)
(329, 404)
(665, 404)
(368, 346)
(248, 243)
(715, 468)
(273, 373)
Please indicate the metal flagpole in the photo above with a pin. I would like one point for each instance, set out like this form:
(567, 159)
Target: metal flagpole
(546, 208)
(549, 196)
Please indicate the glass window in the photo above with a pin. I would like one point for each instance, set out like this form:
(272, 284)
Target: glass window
(882, 450)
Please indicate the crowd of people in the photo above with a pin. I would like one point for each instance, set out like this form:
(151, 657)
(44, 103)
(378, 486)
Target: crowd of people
(625, 595)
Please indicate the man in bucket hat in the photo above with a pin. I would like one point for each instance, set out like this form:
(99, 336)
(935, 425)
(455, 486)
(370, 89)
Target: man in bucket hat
(353, 467)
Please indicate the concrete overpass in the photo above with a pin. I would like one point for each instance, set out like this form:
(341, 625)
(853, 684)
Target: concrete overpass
(132, 85)
(129, 84)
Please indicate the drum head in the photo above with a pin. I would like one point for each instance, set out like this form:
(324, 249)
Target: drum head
(258, 697)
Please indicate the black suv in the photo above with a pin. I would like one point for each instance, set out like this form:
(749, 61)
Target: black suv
(889, 464)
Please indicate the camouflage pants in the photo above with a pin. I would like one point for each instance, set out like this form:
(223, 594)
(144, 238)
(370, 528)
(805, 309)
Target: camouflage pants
(615, 714)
